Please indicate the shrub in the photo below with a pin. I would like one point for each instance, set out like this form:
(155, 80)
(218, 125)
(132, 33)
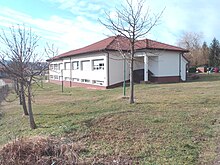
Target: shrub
(38, 151)
(192, 69)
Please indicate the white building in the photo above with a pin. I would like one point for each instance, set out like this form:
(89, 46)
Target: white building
(102, 64)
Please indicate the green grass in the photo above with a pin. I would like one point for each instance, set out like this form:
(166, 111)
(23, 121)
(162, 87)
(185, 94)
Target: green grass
(169, 123)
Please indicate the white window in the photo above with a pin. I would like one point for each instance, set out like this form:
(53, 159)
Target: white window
(51, 76)
(98, 82)
(51, 66)
(75, 65)
(60, 66)
(85, 80)
(55, 66)
(85, 65)
(67, 65)
(98, 64)
(56, 77)
(75, 79)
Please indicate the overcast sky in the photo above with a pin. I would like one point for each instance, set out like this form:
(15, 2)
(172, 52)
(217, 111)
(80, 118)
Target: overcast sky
(71, 24)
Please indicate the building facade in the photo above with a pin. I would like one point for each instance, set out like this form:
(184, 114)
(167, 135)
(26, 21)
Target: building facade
(105, 65)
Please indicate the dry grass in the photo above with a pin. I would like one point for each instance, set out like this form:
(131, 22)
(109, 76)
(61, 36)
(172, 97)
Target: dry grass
(39, 151)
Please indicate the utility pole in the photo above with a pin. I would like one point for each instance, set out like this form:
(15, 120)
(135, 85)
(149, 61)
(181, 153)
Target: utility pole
(62, 79)
(124, 83)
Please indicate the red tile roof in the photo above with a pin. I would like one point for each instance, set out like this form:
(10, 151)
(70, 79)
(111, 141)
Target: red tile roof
(115, 43)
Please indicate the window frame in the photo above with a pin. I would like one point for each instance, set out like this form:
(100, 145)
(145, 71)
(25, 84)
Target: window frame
(82, 66)
(98, 67)
(77, 65)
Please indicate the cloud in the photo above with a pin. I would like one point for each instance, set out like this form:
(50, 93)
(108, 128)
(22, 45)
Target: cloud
(80, 26)
(87, 8)
(192, 16)
(67, 34)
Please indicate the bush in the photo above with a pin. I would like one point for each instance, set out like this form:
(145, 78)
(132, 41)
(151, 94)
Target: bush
(192, 69)
(38, 151)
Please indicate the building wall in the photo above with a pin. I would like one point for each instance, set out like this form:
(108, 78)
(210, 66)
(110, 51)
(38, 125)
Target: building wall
(153, 66)
(169, 63)
(55, 73)
(87, 72)
(116, 68)
(139, 63)
(165, 66)
(183, 69)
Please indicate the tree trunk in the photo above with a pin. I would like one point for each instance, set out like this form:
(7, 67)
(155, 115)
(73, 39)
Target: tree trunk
(31, 116)
(18, 91)
(23, 100)
(16, 86)
(131, 76)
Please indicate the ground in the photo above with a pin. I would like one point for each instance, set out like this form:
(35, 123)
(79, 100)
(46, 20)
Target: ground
(169, 123)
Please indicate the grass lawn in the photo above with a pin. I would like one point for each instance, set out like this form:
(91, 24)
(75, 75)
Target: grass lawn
(169, 123)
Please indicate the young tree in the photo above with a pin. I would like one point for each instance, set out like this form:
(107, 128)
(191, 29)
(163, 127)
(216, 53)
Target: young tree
(132, 22)
(214, 53)
(23, 66)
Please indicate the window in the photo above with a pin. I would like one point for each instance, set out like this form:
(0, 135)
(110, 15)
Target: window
(98, 64)
(51, 66)
(85, 65)
(67, 65)
(75, 65)
(60, 78)
(51, 76)
(60, 66)
(75, 79)
(55, 67)
(85, 80)
(98, 82)
(56, 77)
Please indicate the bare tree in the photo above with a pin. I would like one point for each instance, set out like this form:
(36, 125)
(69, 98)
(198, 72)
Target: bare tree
(133, 23)
(192, 41)
(23, 63)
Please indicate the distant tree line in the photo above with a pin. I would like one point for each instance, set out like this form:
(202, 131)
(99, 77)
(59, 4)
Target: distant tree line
(201, 54)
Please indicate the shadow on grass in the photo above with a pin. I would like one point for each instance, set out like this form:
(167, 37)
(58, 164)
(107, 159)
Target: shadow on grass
(204, 77)
(199, 102)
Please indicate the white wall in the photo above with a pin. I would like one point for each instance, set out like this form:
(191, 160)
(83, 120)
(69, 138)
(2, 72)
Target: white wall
(161, 63)
(165, 63)
(168, 64)
(116, 68)
(153, 64)
(53, 72)
(138, 63)
(88, 73)
(183, 68)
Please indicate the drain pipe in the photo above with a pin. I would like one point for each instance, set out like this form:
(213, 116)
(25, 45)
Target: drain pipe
(70, 72)
(180, 55)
